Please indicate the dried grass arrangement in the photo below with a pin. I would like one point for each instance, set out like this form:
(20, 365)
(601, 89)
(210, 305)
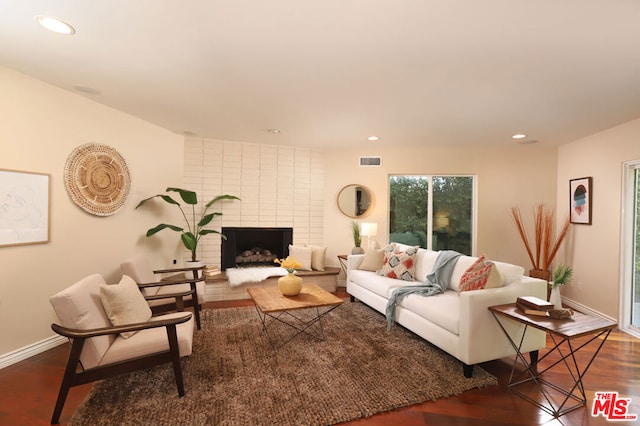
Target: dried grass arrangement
(546, 242)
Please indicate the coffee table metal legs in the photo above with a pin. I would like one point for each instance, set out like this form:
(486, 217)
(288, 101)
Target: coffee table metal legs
(297, 322)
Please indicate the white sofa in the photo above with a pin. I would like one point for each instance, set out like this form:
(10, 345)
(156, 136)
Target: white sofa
(458, 323)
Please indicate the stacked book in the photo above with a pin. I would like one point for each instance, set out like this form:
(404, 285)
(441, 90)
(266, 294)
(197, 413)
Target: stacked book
(534, 306)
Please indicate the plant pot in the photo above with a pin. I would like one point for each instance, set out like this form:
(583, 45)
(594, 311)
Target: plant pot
(556, 298)
(357, 250)
(290, 285)
(193, 264)
(540, 273)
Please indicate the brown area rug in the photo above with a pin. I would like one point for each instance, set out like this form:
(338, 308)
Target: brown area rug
(234, 377)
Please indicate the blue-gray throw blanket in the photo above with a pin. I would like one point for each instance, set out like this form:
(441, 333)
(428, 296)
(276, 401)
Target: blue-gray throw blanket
(437, 281)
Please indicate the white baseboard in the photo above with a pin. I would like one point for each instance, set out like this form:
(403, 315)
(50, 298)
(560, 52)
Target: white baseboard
(585, 309)
(30, 350)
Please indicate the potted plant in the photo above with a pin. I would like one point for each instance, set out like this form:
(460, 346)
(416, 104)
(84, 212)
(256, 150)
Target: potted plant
(196, 225)
(357, 238)
(546, 242)
(561, 276)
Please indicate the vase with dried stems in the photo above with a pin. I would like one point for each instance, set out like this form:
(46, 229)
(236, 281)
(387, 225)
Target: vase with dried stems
(546, 242)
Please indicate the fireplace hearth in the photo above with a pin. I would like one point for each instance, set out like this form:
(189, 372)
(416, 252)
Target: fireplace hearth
(248, 246)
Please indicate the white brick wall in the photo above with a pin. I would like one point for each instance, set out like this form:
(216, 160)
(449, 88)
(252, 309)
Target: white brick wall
(280, 186)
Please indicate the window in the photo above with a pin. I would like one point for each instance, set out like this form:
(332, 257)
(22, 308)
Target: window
(434, 212)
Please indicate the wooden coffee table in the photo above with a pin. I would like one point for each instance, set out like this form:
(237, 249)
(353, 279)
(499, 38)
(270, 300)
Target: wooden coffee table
(562, 333)
(273, 307)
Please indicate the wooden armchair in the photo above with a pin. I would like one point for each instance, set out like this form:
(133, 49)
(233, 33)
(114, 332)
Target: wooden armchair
(159, 292)
(99, 350)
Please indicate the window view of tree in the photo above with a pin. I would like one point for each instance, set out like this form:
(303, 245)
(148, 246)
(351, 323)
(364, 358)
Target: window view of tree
(448, 216)
(409, 210)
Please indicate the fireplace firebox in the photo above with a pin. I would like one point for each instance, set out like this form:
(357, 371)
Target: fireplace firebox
(247, 246)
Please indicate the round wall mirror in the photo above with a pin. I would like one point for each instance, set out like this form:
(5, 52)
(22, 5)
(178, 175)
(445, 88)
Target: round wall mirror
(354, 200)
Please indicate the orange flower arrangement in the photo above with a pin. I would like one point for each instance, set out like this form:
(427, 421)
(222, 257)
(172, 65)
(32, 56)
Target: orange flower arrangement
(290, 263)
(546, 245)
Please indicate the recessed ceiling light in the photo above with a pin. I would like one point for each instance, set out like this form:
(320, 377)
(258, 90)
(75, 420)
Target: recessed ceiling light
(373, 138)
(55, 25)
(519, 136)
(274, 131)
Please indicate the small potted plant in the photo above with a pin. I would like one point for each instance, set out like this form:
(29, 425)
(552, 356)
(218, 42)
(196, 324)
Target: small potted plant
(357, 238)
(561, 276)
(196, 225)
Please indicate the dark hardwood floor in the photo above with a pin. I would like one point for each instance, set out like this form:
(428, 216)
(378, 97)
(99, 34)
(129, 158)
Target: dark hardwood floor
(29, 388)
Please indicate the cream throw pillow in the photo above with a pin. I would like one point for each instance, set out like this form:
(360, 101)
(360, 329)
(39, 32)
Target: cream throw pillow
(318, 254)
(372, 260)
(124, 304)
(302, 255)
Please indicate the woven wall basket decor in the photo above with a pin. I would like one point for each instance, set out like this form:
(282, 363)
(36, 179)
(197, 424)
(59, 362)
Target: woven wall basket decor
(97, 179)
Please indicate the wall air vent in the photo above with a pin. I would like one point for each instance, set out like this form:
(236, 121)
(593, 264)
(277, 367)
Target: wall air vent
(371, 161)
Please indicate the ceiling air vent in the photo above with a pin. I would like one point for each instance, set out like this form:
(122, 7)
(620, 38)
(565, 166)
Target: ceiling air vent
(370, 161)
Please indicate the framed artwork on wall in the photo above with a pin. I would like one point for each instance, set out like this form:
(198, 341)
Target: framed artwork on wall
(24, 207)
(580, 200)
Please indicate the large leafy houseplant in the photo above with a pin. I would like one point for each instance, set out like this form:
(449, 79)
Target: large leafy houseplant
(195, 228)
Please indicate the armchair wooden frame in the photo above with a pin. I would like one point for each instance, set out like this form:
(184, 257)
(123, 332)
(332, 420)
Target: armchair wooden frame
(73, 377)
(181, 300)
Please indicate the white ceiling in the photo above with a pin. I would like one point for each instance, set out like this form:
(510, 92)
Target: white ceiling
(332, 72)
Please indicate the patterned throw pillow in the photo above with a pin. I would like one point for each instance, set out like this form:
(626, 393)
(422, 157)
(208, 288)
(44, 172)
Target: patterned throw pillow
(476, 277)
(399, 264)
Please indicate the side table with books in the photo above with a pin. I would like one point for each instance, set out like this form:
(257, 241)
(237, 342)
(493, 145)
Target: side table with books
(568, 335)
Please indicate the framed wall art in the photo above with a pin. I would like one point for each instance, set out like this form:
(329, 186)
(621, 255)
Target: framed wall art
(24, 207)
(581, 200)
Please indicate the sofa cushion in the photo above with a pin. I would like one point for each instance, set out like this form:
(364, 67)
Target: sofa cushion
(399, 264)
(425, 259)
(318, 254)
(373, 260)
(124, 303)
(146, 342)
(441, 309)
(382, 286)
(303, 255)
(79, 306)
(139, 268)
(509, 272)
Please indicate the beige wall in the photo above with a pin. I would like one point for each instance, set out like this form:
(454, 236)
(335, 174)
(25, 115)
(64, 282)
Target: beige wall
(41, 125)
(511, 176)
(594, 251)
(279, 186)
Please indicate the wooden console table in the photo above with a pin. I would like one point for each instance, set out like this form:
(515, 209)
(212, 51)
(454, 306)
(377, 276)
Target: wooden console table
(561, 331)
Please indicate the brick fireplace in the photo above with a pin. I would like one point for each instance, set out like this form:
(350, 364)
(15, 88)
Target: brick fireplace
(248, 246)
